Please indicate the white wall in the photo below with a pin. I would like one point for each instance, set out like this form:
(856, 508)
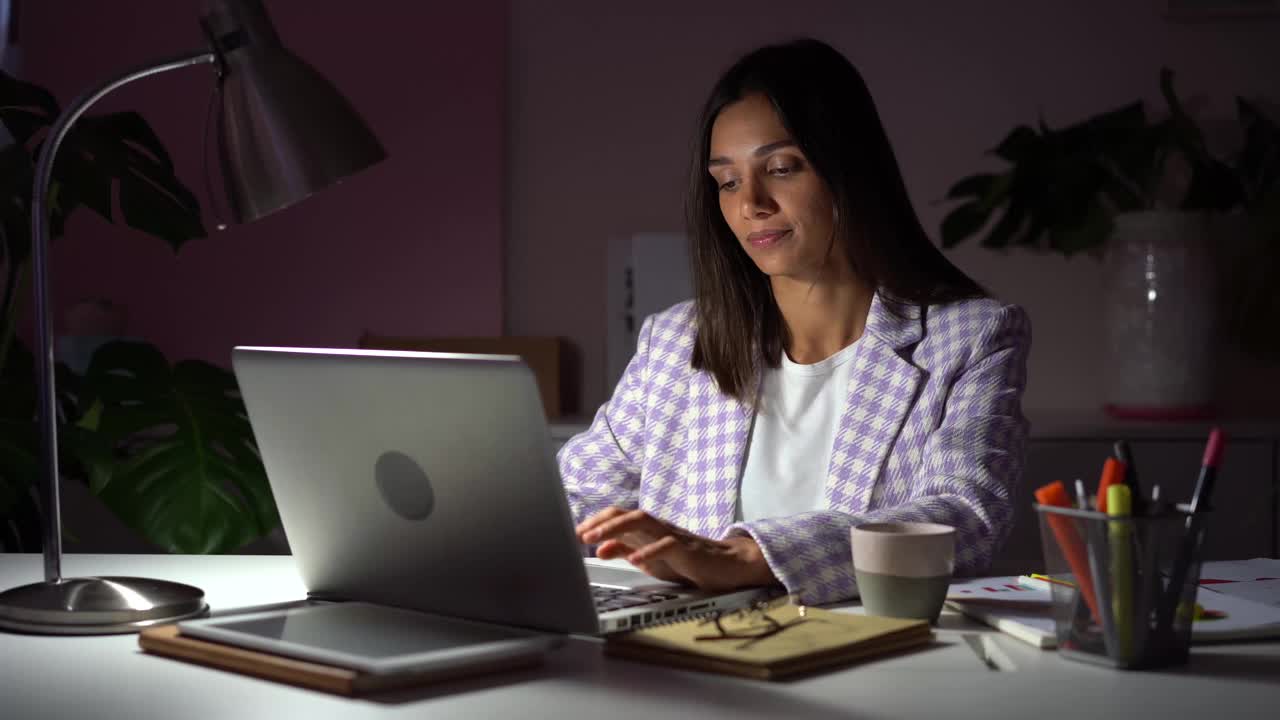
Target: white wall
(603, 99)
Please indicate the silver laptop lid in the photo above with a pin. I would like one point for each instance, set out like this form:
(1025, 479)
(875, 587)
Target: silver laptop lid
(420, 480)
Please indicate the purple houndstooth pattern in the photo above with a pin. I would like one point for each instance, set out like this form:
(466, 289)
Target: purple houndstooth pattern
(932, 430)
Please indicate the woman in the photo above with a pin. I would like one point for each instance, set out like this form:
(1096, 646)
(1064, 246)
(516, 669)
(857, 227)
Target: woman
(833, 369)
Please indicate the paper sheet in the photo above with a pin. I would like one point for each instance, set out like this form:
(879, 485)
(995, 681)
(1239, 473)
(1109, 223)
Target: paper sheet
(1245, 618)
(1024, 612)
(1257, 580)
(997, 589)
(1265, 592)
(1239, 570)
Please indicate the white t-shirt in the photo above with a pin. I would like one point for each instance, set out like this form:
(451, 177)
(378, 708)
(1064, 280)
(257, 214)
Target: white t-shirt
(792, 437)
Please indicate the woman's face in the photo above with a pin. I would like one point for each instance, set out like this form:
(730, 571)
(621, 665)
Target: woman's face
(770, 196)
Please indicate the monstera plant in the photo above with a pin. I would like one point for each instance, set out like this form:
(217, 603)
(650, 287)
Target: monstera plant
(166, 447)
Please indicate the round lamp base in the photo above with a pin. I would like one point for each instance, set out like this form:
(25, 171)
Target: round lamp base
(98, 605)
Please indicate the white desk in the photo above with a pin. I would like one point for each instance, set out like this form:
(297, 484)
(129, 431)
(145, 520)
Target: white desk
(103, 678)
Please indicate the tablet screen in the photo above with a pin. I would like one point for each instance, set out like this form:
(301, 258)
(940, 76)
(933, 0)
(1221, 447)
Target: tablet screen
(368, 630)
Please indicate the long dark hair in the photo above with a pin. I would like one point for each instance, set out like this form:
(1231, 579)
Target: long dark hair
(826, 107)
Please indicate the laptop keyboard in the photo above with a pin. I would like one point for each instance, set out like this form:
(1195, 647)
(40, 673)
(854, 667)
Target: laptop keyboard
(612, 598)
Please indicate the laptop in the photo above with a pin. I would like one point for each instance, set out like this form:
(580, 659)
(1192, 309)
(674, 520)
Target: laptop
(428, 481)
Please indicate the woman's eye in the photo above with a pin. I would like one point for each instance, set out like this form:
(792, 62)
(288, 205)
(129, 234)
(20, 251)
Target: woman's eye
(783, 170)
(728, 184)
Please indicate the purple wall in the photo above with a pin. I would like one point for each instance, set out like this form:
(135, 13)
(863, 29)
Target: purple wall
(412, 246)
(604, 155)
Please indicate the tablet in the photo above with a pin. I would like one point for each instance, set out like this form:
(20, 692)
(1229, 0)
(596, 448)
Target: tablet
(373, 638)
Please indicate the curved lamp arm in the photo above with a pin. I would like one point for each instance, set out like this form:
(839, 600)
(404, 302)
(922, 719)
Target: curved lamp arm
(48, 409)
(287, 133)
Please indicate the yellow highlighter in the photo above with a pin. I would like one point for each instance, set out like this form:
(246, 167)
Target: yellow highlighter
(1120, 504)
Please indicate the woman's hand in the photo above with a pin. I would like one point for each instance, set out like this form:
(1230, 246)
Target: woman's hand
(670, 553)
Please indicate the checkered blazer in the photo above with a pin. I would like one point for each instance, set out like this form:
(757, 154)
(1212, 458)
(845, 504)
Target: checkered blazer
(932, 431)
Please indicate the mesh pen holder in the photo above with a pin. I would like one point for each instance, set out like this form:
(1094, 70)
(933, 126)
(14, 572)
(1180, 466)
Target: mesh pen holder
(1123, 588)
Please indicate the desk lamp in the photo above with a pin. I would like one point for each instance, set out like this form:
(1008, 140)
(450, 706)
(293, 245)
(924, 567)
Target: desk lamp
(284, 132)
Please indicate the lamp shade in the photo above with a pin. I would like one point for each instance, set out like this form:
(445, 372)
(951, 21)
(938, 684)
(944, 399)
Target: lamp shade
(284, 131)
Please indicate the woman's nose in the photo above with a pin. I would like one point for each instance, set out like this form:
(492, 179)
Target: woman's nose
(756, 200)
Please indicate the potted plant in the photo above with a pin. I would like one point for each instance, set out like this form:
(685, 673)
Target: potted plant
(1168, 218)
(167, 448)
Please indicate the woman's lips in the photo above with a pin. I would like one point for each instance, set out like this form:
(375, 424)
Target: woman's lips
(768, 238)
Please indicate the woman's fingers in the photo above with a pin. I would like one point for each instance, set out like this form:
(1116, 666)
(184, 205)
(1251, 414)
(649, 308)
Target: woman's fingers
(654, 546)
(595, 520)
(610, 549)
(653, 550)
(631, 521)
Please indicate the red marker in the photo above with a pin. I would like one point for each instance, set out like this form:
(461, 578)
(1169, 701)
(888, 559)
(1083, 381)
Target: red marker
(1069, 540)
(1113, 472)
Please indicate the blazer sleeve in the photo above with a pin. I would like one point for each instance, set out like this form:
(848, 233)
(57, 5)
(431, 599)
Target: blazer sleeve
(970, 469)
(600, 466)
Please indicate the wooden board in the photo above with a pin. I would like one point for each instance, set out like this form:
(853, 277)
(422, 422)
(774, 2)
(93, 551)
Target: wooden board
(167, 641)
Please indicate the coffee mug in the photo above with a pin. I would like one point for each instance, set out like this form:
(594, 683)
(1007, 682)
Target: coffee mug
(903, 568)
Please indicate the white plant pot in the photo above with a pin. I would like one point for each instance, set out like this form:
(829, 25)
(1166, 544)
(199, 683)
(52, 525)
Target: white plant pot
(1160, 311)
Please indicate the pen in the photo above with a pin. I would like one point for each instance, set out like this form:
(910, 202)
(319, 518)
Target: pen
(1037, 581)
(1208, 473)
(1119, 536)
(1187, 550)
(1139, 503)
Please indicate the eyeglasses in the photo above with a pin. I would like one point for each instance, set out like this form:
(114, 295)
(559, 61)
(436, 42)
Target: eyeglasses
(755, 624)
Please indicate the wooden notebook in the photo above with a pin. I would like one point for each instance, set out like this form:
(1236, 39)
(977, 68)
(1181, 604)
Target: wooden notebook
(809, 639)
(165, 640)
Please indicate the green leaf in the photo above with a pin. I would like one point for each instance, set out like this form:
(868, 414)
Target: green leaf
(82, 180)
(972, 186)
(1017, 144)
(121, 149)
(1123, 120)
(126, 138)
(1259, 159)
(1178, 113)
(18, 384)
(19, 466)
(160, 206)
(19, 471)
(25, 108)
(1003, 231)
(192, 481)
(1214, 186)
(16, 178)
(94, 453)
(1090, 234)
(1030, 236)
(963, 222)
(16, 93)
(23, 124)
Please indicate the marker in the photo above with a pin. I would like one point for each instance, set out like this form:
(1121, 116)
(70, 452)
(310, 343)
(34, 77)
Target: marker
(1113, 472)
(1073, 548)
(1119, 539)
